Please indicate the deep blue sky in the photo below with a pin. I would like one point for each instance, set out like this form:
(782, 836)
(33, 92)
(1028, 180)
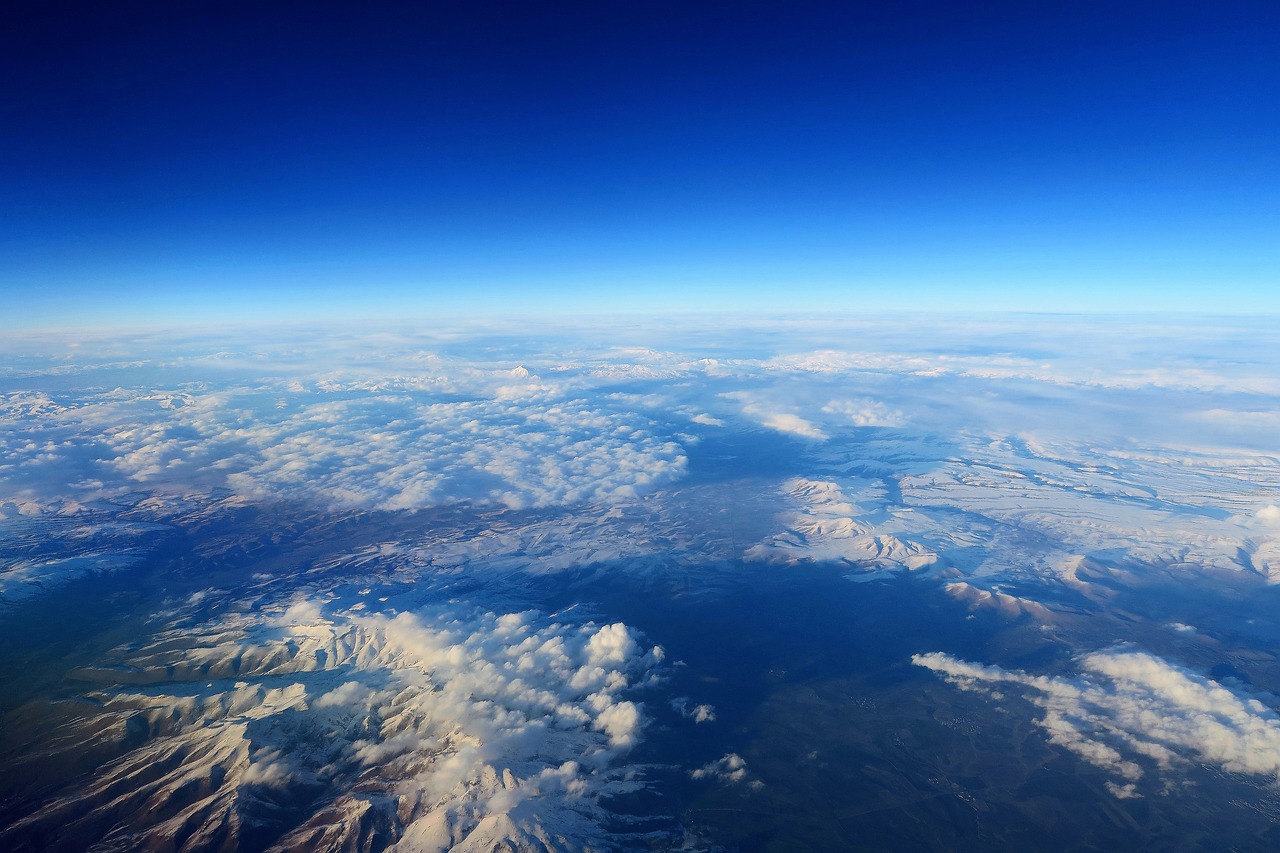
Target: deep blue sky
(198, 160)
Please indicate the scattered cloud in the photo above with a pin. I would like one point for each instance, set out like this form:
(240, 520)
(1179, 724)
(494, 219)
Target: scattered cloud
(865, 413)
(697, 713)
(477, 728)
(793, 424)
(731, 769)
(1134, 714)
(768, 414)
(368, 450)
(494, 727)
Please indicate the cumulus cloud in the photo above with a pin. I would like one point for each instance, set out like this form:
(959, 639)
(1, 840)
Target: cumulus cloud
(793, 424)
(267, 767)
(1132, 713)
(488, 726)
(347, 695)
(731, 769)
(697, 713)
(769, 414)
(476, 728)
(402, 428)
(355, 449)
(865, 412)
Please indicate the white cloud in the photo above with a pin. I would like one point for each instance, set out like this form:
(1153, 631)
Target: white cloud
(1268, 419)
(267, 768)
(1016, 467)
(770, 414)
(1132, 713)
(1094, 364)
(697, 713)
(487, 728)
(366, 449)
(399, 427)
(794, 424)
(865, 413)
(731, 769)
(348, 694)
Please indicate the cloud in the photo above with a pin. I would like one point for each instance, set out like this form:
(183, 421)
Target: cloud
(1245, 419)
(347, 695)
(366, 449)
(865, 413)
(768, 414)
(794, 424)
(1132, 713)
(267, 768)
(1075, 364)
(399, 427)
(474, 728)
(697, 713)
(731, 769)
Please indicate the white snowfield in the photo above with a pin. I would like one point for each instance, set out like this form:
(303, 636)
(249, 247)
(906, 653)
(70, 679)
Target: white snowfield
(825, 528)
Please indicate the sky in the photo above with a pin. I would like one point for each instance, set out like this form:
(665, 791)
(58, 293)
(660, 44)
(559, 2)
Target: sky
(181, 162)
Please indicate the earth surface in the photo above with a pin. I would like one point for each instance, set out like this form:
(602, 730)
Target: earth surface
(809, 584)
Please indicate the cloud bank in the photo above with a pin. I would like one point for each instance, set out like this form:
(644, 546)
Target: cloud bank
(365, 450)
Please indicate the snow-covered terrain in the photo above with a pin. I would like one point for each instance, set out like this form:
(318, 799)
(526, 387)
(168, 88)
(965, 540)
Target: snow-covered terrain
(371, 574)
(444, 729)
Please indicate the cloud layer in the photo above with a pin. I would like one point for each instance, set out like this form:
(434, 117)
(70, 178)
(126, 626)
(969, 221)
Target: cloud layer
(363, 450)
